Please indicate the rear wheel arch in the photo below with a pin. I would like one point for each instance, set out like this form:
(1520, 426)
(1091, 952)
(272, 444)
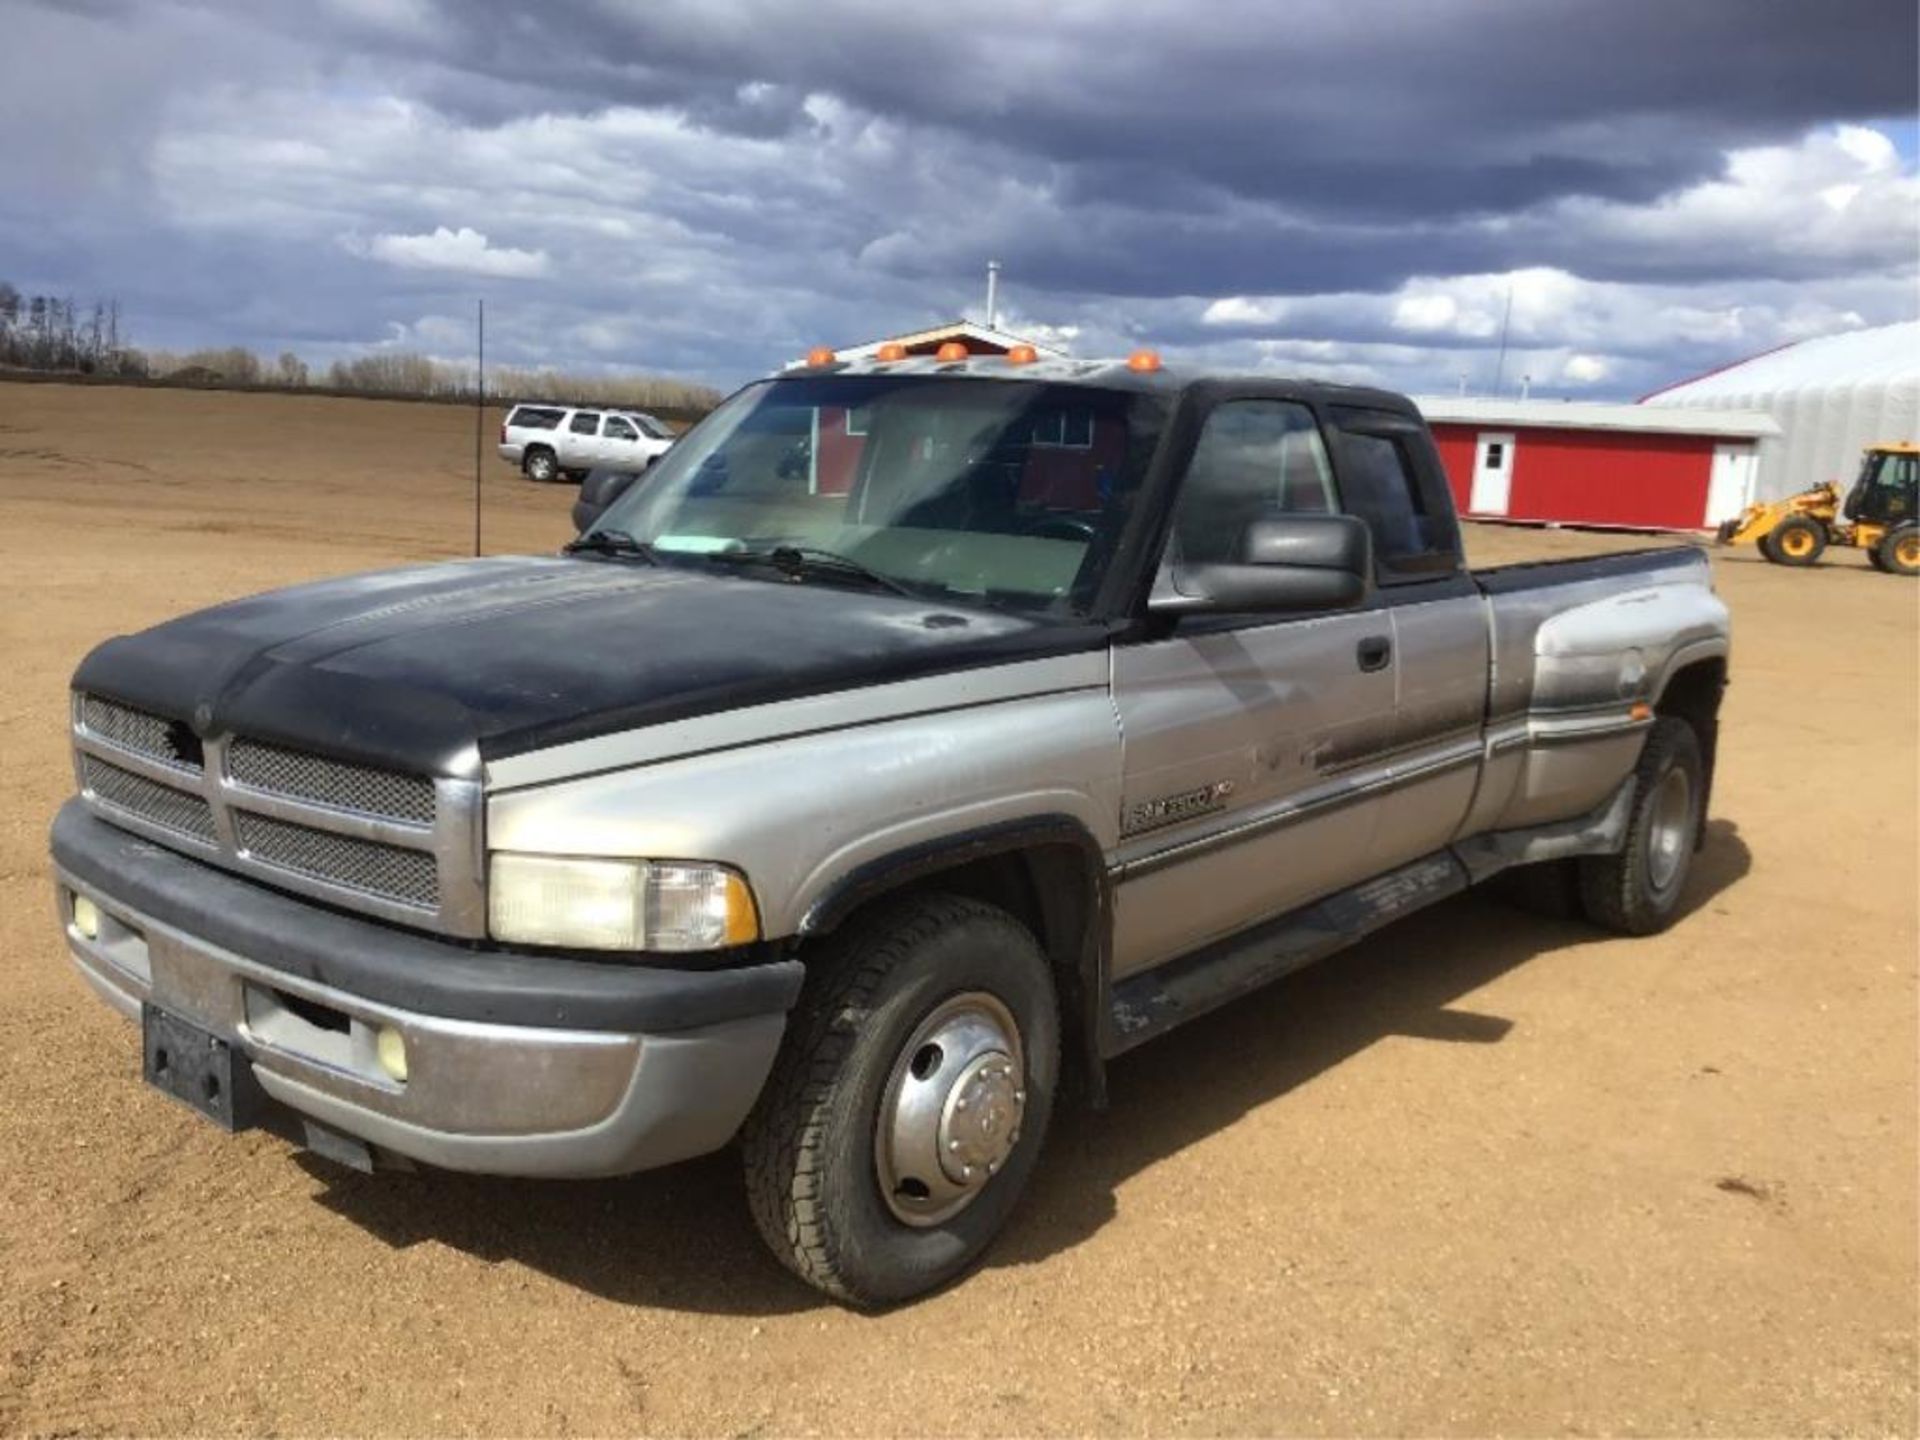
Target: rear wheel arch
(1692, 692)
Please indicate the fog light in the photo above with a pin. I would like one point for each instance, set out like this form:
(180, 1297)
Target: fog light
(86, 917)
(390, 1048)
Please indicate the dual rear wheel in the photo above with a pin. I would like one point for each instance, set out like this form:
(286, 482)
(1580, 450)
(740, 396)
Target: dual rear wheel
(1636, 891)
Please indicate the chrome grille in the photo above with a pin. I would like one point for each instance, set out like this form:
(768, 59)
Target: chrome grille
(144, 734)
(405, 847)
(358, 788)
(390, 871)
(162, 805)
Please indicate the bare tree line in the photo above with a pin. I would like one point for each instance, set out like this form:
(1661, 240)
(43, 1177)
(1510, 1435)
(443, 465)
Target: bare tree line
(52, 334)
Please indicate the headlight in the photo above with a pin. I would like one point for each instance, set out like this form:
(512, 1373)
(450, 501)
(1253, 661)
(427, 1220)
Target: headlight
(618, 904)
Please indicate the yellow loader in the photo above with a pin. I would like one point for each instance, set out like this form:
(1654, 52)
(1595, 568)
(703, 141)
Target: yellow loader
(1880, 515)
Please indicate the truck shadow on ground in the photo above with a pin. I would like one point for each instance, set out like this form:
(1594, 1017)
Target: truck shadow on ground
(681, 1238)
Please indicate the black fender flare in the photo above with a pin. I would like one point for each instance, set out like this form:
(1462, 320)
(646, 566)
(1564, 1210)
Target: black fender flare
(1088, 1002)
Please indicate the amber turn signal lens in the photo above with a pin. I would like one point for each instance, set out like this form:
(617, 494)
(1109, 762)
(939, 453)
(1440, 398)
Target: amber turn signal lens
(952, 350)
(1022, 355)
(1145, 361)
(1641, 711)
(820, 355)
(891, 351)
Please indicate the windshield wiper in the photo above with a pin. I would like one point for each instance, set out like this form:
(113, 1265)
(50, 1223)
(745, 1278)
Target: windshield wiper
(799, 561)
(609, 542)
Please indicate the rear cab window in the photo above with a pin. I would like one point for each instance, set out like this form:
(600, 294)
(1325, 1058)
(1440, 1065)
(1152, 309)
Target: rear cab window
(586, 422)
(534, 417)
(1391, 478)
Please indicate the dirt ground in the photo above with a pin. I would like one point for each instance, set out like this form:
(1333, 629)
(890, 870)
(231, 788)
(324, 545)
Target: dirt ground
(1488, 1173)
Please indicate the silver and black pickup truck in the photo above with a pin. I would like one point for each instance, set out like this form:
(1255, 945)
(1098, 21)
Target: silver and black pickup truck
(913, 738)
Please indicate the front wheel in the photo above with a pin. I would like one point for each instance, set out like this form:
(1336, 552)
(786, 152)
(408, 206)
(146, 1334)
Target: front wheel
(1798, 541)
(905, 1114)
(1637, 891)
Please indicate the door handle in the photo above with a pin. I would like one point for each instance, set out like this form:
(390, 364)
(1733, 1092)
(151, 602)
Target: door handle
(1375, 652)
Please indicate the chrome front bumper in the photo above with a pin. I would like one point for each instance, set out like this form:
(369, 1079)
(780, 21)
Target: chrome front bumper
(478, 1095)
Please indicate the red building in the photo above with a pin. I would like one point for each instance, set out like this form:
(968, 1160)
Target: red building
(1575, 463)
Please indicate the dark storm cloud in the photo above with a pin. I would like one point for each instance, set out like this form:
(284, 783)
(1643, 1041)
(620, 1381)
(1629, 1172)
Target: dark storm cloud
(713, 184)
(1377, 108)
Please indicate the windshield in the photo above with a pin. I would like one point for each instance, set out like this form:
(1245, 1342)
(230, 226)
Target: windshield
(1007, 493)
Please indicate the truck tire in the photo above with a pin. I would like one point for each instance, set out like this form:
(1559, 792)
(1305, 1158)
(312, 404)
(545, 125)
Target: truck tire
(1797, 540)
(540, 465)
(1637, 891)
(909, 1101)
(1898, 552)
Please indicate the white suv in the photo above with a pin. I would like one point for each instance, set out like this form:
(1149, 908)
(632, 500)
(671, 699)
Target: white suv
(551, 442)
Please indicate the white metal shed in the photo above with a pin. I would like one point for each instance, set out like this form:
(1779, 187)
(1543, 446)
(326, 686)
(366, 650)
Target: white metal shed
(1832, 397)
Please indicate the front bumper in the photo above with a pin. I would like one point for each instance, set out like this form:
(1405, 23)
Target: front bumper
(517, 1064)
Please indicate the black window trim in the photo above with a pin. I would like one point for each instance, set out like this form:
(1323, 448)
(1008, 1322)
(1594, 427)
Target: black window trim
(1415, 443)
(1128, 587)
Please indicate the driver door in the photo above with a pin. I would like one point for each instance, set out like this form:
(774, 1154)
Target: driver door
(1246, 737)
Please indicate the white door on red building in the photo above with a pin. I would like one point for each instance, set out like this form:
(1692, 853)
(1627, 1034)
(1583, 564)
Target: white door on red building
(1730, 487)
(1492, 474)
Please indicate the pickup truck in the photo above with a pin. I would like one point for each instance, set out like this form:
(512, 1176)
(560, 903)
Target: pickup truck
(916, 738)
(554, 442)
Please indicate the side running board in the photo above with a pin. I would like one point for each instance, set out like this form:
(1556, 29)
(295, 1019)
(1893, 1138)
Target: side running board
(1153, 1002)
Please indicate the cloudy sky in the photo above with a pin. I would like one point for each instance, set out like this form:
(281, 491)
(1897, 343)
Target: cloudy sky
(1350, 188)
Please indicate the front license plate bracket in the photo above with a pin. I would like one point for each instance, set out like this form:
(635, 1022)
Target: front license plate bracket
(199, 1069)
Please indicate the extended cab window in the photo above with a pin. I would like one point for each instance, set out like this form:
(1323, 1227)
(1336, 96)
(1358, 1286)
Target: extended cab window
(1385, 483)
(1256, 459)
(587, 422)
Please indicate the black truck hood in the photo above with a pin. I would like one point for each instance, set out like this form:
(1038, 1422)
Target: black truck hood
(437, 668)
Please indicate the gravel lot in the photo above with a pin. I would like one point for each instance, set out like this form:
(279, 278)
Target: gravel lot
(1488, 1173)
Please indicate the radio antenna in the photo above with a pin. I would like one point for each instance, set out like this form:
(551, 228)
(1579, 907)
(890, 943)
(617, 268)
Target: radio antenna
(1500, 366)
(479, 410)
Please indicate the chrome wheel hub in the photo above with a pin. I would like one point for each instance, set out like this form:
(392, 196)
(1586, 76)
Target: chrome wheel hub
(950, 1115)
(1670, 833)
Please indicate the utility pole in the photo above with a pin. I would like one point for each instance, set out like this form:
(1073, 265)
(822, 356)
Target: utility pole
(479, 411)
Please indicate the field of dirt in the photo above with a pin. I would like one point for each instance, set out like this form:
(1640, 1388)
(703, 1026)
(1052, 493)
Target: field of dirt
(1488, 1173)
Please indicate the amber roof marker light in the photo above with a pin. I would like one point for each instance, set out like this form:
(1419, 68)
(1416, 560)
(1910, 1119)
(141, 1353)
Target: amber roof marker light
(952, 350)
(1022, 355)
(891, 351)
(820, 355)
(1144, 361)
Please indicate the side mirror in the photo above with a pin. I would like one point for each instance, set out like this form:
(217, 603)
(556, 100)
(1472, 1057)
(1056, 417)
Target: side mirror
(599, 490)
(1299, 562)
